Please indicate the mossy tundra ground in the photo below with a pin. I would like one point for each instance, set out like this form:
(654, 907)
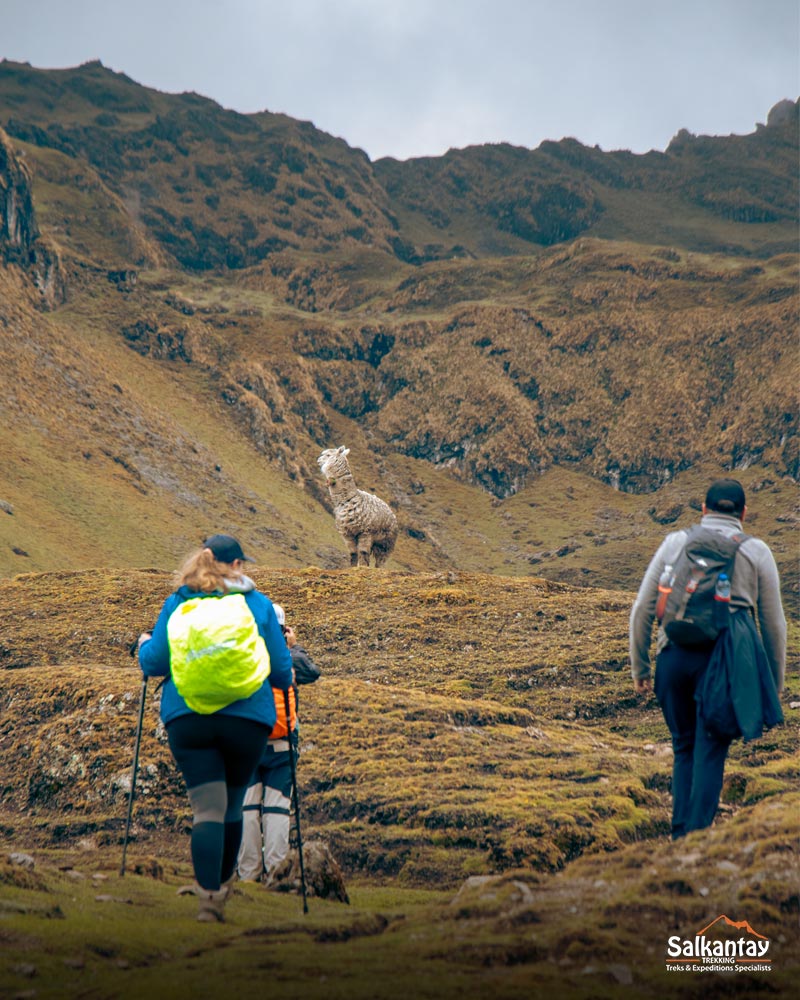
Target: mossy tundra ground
(473, 754)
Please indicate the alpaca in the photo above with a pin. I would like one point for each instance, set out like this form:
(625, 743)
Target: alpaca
(366, 523)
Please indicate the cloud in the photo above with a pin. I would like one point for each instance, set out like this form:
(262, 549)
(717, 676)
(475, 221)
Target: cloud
(414, 77)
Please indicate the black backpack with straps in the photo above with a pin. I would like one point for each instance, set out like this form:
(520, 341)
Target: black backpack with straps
(692, 616)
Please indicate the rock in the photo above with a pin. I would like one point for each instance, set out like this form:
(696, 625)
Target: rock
(525, 893)
(151, 867)
(621, 973)
(666, 514)
(20, 241)
(23, 860)
(124, 279)
(324, 877)
(782, 113)
(24, 969)
(12, 908)
(47, 271)
(492, 894)
(18, 228)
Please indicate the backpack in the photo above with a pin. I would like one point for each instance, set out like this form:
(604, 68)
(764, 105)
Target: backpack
(692, 617)
(279, 730)
(217, 655)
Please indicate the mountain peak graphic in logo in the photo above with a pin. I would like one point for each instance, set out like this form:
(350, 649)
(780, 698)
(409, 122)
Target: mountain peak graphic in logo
(731, 946)
(739, 925)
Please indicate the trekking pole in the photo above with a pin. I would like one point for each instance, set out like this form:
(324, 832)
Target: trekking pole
(135, 766)
(293, 767)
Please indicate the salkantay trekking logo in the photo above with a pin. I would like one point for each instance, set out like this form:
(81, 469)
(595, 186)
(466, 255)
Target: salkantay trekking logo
(724, 952)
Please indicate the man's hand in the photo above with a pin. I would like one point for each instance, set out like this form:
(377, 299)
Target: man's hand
(289, 636)
(642, 685)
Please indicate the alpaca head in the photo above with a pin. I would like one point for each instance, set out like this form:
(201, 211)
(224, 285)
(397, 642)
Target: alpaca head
(333, 462)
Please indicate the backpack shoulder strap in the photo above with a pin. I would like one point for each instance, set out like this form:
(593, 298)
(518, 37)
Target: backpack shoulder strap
(739, 539)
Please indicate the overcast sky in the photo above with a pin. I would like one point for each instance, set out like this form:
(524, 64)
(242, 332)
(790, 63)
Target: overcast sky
(410, 78)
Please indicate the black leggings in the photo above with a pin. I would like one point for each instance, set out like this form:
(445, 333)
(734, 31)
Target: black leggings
(217, 755)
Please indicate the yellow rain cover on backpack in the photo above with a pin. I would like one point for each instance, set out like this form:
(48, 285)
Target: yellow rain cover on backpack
(216, 653)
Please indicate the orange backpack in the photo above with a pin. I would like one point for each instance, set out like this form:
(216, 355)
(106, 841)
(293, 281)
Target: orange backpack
(279, 731)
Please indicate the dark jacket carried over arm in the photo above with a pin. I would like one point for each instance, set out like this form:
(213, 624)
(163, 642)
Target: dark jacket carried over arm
(737, 695)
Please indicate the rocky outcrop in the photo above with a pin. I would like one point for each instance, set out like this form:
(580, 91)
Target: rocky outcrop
(321, 872)
(18, 229)
(783, 113)
(20, 241)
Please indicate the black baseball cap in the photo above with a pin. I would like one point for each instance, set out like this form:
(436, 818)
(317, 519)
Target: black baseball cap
(225, 548)
(726, 496)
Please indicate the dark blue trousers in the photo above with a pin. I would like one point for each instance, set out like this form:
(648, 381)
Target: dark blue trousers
(698, 756)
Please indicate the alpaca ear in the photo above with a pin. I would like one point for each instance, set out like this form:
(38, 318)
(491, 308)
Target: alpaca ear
(344, 451)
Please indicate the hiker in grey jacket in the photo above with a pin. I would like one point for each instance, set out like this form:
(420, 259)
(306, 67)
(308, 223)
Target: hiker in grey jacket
(699, 756)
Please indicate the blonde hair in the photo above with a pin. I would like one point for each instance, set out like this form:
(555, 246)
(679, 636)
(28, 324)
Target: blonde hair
(204, 574)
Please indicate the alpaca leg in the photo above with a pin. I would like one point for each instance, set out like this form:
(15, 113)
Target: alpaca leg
(352, 545)
(364, 549)
(382, 549)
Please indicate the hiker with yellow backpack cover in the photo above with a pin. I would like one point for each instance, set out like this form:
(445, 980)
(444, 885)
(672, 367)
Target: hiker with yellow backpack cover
(219, 645)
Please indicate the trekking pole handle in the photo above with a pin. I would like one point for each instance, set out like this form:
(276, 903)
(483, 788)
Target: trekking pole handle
(133, 649)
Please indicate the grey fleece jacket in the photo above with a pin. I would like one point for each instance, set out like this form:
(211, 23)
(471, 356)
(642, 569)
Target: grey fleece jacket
(755, 584)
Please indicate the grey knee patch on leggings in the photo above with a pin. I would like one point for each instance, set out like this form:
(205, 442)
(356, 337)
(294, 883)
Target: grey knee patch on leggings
(209, 802)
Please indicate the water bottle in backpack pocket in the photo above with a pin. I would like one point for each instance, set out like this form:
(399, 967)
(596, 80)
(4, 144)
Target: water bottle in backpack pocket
(696, 608)
(665, 583)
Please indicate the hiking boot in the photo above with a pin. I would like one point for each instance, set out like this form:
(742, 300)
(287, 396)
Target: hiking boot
(212, 901)
(211, 905)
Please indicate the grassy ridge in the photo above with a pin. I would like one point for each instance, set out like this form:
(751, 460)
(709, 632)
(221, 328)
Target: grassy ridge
(464, 725)
(596, 930)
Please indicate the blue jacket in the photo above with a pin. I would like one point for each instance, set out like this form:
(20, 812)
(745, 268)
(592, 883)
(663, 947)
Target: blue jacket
(737, 694)
(154, 659)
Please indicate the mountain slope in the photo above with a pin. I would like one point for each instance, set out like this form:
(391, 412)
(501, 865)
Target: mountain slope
(736, 194)
(218, 188)
(148, 403)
